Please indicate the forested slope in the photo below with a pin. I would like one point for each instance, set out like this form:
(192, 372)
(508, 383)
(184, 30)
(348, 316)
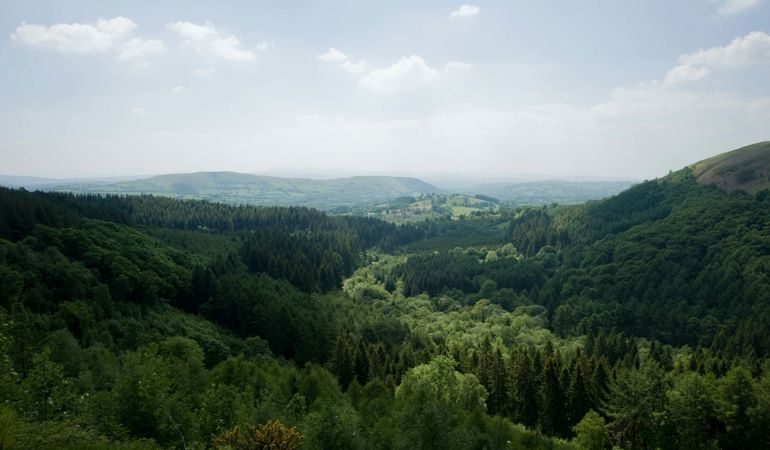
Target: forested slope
(639, 321)
(669, 259)
(144, 322)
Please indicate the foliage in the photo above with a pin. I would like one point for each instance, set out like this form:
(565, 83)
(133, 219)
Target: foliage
(591, 432)
(272, 435)
(134, 322)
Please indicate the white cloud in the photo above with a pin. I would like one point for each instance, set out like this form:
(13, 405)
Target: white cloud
(179, 90)
(228, 48)
(457, 66)
(355, 68)
(193, 31)
(139, 48)
(349, 66)
(638, 131)
(735, 6)
(634, 132)
(204, 72)
(216, 41)
(685, 72)
(465, 11)
(139, 112)
(750, 50)
(117, 27)
(332, 55)
(74, 37)
(264, 45)
(408, 73)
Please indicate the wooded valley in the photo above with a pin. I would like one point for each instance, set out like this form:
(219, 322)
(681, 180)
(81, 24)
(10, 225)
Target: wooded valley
(639, 321)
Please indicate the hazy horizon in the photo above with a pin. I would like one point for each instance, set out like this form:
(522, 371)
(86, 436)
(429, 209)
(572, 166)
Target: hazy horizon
(488, 89)
(438, 179)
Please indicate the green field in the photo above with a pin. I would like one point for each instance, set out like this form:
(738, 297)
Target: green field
(430, 206)
(338, 195)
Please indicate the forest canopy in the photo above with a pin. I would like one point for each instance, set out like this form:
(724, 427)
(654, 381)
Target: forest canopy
(639, 321)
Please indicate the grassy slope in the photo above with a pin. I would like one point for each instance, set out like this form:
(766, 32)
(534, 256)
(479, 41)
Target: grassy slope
(433, 206)
(555, 191)
(747, 168)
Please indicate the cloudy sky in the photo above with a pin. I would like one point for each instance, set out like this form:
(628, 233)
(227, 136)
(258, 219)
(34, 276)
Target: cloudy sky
(609, 88)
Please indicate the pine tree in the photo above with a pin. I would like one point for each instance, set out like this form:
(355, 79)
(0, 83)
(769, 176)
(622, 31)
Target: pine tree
(406, 359)
(361, 363)
(553, 403)
(631, 358)
(342, 360)
(635, 397)
(523, 388)
(579, 393)
(484, 368)
(498, 389)
(377, 361)
(600, 380)
(588, 348)
(600, 345)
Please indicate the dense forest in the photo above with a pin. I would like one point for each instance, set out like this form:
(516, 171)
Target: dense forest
(640, 321)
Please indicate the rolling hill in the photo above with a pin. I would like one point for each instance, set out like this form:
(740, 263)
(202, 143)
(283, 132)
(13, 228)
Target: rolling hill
(338, 195)
(550, 191)
(747, 169)
(429, 206)
(181, 315)
(240, 188)
(40, 183)
(677, 246)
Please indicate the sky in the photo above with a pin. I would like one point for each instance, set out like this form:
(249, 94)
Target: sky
(592, 88)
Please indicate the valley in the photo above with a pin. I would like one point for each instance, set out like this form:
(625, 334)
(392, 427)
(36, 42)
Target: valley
(142, 321)
(385, 225)
(387, 197)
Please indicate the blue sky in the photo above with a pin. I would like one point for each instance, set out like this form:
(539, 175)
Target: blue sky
(627, 89)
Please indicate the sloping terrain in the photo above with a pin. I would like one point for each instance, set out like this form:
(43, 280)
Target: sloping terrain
(666, 251)
(240, 188)
(152, 322)
(551, 191)
(747, 169)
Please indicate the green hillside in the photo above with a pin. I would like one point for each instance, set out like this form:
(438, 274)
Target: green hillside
(239, 188)
(639, 322)
(661, 259)
(361, 194)
(406, 209)
(746, 169)
(551, 191)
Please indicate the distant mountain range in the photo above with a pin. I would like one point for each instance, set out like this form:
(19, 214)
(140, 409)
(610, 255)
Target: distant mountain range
(16, 181)
(746, 169)
(338, 195)
(240, 188)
